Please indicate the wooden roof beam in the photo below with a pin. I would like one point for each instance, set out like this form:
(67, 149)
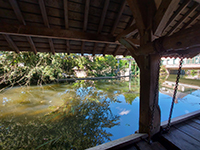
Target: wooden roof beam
(127, 32)
(20, 17)
(11, 43)
(66, 13)
(186, 25)
(82, 48)
(183, 40)
(103, 15)
(45, 32)
(105, 49)
(125, 53)
(177, 13)
(188, 13)
(68, 47)
(46, 22)
(95, 49)
(87, 6)
(163, 14)
(118, 16)
(66, 17)
(116, 50)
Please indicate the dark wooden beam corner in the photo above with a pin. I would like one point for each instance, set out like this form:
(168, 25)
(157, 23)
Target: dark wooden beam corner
(68, 47)
(52, 46)
(32, 44)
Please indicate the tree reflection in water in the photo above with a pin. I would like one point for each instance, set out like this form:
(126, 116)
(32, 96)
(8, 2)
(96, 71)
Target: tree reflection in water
(78, 124)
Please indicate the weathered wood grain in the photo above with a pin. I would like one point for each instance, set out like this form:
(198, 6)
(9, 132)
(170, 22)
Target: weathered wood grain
(182, 140)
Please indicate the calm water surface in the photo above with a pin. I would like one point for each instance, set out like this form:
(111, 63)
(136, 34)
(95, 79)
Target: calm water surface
(79, 115)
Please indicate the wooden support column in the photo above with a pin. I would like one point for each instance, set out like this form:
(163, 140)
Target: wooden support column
(143, 12)
(149, 70)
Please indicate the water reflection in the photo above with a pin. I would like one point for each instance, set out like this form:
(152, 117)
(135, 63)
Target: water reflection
(78, 115)
(75, 116)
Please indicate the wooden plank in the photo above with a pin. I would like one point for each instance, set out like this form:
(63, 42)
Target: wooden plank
(116, 50)
(137, 14)
(32, 44)
(134, 42)
(125, 53)
(127, 31)
(118, 16)
(181, 42)
(193, 124)
(43, 32)
(51, 46)
(188, 13)
(182, 118)
(191, 21)
(189, 130)
(196, 120)
(105, 49)
(68, 47)
(163, 14)
(66, 14)
(181, 140)
(82, 48)
(177, 13)
(87, 6)
(121, 142)
(44, 13)
(143, 145)
(17, 11)
(103, 15)
(95, 49)
(11, 43)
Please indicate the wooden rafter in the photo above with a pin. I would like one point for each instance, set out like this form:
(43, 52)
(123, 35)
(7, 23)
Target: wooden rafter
(11, 43)
(82, 48)
(44, 32)
(186, 25)
(188, 13)
(105, 49)
(130, 22)
(163, 14)
(127, 32)
(177, 13)
(134, 42)
(137, 14)
(116, 50)
(68, 47)
(187, 39)
(95, 49)
(46, 22)
(66, 16)
(87, 6)
(125, 53)
(103, 15)
(118, 16)
(20, 17)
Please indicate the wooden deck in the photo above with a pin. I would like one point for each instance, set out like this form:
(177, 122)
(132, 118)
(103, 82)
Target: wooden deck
(184, 134)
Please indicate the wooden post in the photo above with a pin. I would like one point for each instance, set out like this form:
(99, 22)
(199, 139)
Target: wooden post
(149, 70)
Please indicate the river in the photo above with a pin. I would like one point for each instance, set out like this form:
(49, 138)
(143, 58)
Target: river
(81, 114)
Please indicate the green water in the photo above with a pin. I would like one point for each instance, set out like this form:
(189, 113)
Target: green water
(61, 116)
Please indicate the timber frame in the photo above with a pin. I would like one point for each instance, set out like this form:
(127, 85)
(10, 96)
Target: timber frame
(144, 29)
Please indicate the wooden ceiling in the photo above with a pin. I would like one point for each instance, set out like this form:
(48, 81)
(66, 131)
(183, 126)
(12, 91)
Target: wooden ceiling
(85, 26)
